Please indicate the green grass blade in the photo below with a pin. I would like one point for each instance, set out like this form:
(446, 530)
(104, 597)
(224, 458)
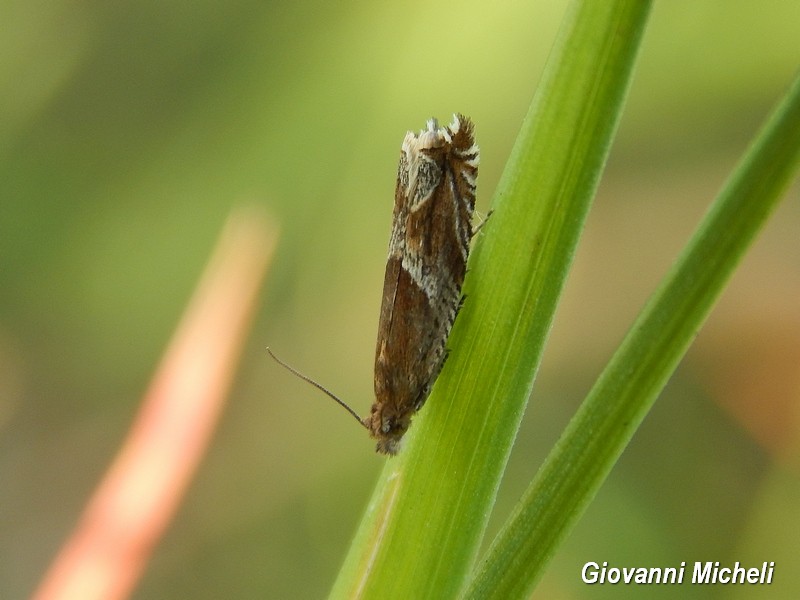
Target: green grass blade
(640, 368)
(420, 535)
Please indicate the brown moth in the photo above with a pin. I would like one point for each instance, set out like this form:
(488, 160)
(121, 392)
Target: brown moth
(431, 232)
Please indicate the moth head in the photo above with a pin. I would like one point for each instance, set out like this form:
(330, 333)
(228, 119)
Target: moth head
(388, 426)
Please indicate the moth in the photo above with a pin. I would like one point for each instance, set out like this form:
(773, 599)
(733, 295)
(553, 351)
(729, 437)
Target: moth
(434, 202)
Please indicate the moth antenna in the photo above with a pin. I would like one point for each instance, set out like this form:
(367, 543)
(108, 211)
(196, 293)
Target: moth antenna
(319, 386)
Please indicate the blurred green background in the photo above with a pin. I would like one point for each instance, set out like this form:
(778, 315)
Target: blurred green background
(129, 130)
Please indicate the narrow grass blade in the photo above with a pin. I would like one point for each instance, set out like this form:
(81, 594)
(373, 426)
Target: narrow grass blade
(640, 368)
(421, 532)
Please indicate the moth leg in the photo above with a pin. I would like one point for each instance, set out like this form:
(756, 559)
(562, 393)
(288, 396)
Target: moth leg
(445, 357)
(479, 226)
(460, 304)
(446, 349)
